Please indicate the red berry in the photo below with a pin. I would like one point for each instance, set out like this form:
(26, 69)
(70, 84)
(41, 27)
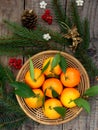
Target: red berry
(16, 63)
(47, 11)
(47, 17)
(43, 16)
(49, 22)
(11, 61)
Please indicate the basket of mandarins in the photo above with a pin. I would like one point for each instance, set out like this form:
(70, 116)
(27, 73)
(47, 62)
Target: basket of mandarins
(56, 80)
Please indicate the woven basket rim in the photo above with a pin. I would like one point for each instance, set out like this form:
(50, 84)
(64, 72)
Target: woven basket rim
(37, 55)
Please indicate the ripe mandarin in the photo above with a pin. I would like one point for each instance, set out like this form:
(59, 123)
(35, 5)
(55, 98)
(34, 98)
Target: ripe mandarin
(70, 78)
(38, 80)
(52, 84)
(49, 72)
(37, 101)
(48, 109)
(68, 95)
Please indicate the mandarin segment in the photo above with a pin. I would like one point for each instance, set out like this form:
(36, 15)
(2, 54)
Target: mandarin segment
(48, 109)
(68, 95)
(71, 77)
(52, 84)
(38, 78)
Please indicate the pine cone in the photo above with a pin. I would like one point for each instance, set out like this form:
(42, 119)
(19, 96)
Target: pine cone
(29, 19)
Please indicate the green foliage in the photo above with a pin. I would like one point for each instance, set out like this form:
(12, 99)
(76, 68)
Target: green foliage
(55, 61)
(81, 51)
(76, 18)
(5, 77)
(93, 91)
(21, 38)
(83, 103)
(60, 14)
(22, 89)
(63, 63)
(9, 121)
(11, 115)
(61, 111)
(86, 34)
(54, 93)
(87, 62)
(28, 42)
(45, 67)
(32, 70)
(21, 31)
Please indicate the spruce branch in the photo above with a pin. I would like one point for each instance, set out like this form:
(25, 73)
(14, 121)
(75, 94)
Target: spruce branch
(8, 121)
(23, 37)
(87, 62)
(59, 13)
(86, 35)
(2, 83)
(81, 51)
(76, 18)
(11, 115)
(18, 29)
(22, 32)
(12, 51)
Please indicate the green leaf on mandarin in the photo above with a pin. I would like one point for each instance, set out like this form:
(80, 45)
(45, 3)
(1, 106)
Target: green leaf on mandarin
(82, 103)
(45, 67)
(31, 69)
(93, 91)
(61, 111)
(63, 63)
(22, 89)
(55, 61)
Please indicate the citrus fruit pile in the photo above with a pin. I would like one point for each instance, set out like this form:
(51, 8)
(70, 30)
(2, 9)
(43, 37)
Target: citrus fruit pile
(54, 85)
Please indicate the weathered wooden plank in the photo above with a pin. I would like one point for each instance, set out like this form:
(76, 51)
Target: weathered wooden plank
(35, 126)
(90, 11)
(9, 10)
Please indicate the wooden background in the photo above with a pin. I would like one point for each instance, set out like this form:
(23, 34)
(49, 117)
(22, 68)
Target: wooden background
(12, 10)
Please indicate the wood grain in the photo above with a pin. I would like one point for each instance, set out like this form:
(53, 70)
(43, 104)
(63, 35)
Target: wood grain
(90, 11)
(9, 10)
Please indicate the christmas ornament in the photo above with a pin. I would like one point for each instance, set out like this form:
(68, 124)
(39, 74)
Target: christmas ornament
(47, 17)
(74, 35)
(29, 19)
(79, 2)
(43, 4)
(15, 63)
(46, 36)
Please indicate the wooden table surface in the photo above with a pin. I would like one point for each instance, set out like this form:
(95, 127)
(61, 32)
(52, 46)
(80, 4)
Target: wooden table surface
(12, 10)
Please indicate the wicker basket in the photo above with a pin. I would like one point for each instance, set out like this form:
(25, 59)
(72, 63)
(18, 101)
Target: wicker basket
(37, 114)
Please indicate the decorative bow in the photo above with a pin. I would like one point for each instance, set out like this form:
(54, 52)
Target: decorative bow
(74, 35)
